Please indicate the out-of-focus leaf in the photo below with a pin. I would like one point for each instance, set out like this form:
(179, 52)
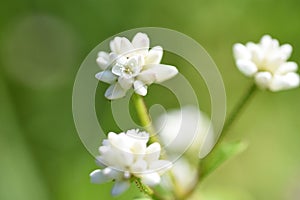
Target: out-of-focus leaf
(219, 155)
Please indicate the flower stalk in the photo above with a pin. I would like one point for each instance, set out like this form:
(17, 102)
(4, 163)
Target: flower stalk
(238, 110)
(233, 116)
(144, 117)
(147, 190)
(143, 188)
(230, 120)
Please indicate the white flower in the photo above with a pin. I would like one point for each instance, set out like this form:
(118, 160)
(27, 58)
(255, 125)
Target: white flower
(185, 175)
(132, 64)
(126, 155)
(186, 129)
(267, 63)
(185, 132)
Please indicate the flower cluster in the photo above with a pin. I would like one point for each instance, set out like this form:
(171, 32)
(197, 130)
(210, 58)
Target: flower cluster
(132, 64)
(267, 63)
(130, 156)
(127, 155)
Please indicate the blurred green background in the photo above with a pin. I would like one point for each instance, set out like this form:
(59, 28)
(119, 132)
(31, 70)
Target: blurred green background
(42, 44)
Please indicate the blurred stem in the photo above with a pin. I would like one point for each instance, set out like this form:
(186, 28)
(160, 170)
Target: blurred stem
(176, 188)
(238, 110)
(230, 120)
(232, 117)
(144, 117)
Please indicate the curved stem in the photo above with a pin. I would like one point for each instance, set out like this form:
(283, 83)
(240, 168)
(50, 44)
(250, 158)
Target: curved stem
(238, 109)
(232, 117)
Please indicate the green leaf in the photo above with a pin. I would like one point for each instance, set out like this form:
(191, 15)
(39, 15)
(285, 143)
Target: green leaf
(219, 155)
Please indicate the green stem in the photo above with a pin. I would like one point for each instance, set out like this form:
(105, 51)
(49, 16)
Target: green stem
(233, 116)
(147, 190)
(144, 117)
(176, 188)
(238, 110)
(146, 122)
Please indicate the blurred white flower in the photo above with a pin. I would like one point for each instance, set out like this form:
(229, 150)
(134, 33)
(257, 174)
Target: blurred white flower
(185, 132)
(267, 63)
(185, 175)
(126, 155)
(132, 64)
(187, 129)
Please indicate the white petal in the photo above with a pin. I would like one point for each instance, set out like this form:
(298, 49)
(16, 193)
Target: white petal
(133, 61)
(138, 147)
(103, 54)
(115, 45)
(286, 51)
(112, 56)
(268, 44)
(135, 64)
(140, 88)
(125, 83)
(152, 152)
(104, 149)
(99, 162)
(120, 187)
(112, 136)
(147, 77)
(139, 166)
(120, 45)
(247, 67)
(141, 42)
(287, 67)
(103, 60)
(115, 91)
(272, 61)
(117, 69)
(126, 46)
(162, 72)
(122, 60)
(241, 52)
(106, 76)
(154, 55)
(126, 158)
(284, 82)
(266, 41)
(98, 177)
(263, 79)
(112, 173)
(257, 54)
(151, 179)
